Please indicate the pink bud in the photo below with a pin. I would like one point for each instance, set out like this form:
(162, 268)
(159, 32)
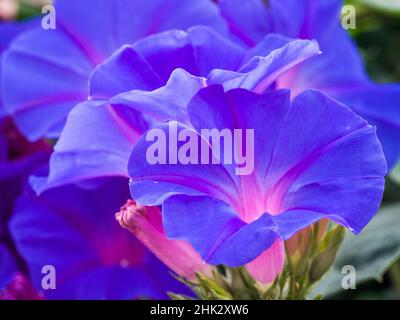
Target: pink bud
(267, 266)
(146, 224)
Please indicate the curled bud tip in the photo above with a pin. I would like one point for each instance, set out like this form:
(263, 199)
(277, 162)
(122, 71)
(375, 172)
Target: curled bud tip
(146, 224)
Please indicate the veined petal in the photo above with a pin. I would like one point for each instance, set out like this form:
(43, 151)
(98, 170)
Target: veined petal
(125, 70)
(198, 51)
(314, 160)
(171, 176)
(164, 103)
(129, 20)
(45, 73)
(379, 105)
(340, 159)
(247, 21)
(269, 43)
(96, 142)
(96, 252)
(38, 102)
(99, 135)
(227, 240)
(339, 66)
(244, 110)
(261, 72)
(308, 19)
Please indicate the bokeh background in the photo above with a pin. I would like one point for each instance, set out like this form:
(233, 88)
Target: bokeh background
(375, 253)
(377, 35)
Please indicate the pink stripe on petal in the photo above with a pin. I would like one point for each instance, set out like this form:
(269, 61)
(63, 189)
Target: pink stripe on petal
(267, 266)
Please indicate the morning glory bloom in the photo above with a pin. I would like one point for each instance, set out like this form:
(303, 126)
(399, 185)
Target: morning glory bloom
(155, 79)
(339, 71)
(73, 229)
(138, 85)
(313, 158)
(45, 72)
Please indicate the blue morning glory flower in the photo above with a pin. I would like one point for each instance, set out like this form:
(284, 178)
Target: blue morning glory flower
(46, 71)
(339, 71)
(313, 158)
(308, 153)
(73, 229)
(132, 89)
(137, 84)
(34, 229)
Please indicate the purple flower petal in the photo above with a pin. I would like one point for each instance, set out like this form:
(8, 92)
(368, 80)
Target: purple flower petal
(338, 71)
(125, 70)
(97, 255)
(38, 103)
(334, 159)
(98, 137)
(168, 179)
(260, 72)
(269, 43)
(182, 213)
(379, 105)
(308, 19)
(198, 51)
(83, 153)
(247, 21)
(313, 160)
(339, 65)
(135, 69)
(83, 39)
(164, 103)
(228, 112)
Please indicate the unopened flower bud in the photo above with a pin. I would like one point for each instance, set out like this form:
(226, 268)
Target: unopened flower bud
(325, 258)
(146, 224)
(299, 245)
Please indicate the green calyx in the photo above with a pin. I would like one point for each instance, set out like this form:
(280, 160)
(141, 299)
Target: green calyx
(300, 273)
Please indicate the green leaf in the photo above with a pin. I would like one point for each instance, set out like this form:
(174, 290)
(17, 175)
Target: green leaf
(371, 253)
(389, 6)
(395, 175)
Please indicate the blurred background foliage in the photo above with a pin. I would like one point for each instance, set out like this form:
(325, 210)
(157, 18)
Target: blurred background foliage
(375, 253)
(378, 37)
